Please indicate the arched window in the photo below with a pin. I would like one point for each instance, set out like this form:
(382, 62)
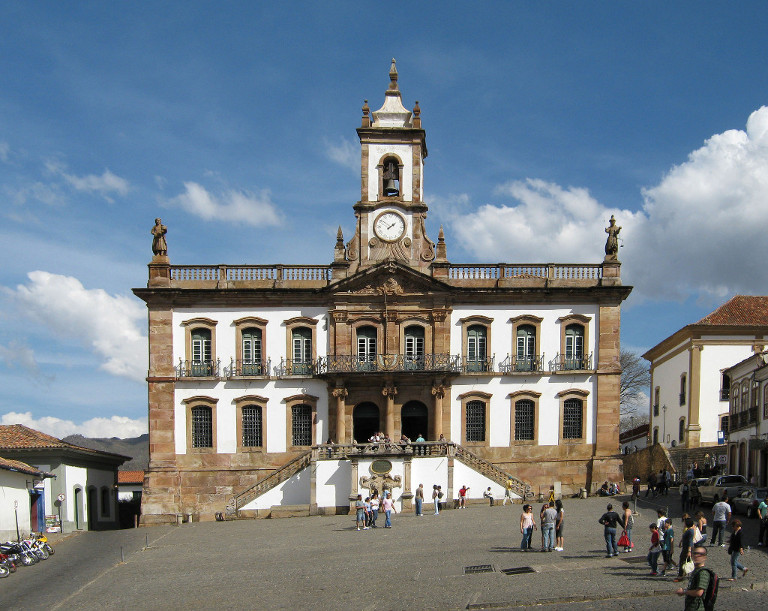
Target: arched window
(526, 348)
(574, 347)
(251, 426)
(755, 393)
(683, 388)
(475, 423)
(251, 345)
(202, 363)
(414, 347)
(202, 427)
(573, 418)
(655, 435)
(301, 340)
(390, 175)
(366, 347)
(744, 396)
(681, 431)
(476, 348)
(525, 410)
(301, 425)
(104, 502)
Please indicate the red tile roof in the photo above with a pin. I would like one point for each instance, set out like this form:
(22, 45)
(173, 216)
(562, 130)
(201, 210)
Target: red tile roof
(22, 467)
(20, 437)
(130, 477)
(749, 310)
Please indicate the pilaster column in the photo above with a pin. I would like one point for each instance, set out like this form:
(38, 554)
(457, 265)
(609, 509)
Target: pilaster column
(389, 391)
(341, 410)
(693, 437)
(353, 485)
(438, 392)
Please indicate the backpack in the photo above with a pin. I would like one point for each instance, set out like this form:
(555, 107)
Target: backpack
(710, 595)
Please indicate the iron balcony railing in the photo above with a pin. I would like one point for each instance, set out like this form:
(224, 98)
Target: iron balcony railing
(740, 420)
(198, 369)
(484, 365)
(517, 364)
(562, 362)
(350, 363)
(291, 367)
(246, 369)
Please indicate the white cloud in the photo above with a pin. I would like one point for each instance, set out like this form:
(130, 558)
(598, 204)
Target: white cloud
(344, 152)
(116, 426)
(104, 185)
(701, 230)
(108, 325)
(17, 355)
(233, 206)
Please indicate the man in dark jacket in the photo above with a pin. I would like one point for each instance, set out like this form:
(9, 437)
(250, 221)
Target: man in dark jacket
(610, 521)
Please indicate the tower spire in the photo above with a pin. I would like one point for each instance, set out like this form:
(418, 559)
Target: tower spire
(393, 90)
(392, 113)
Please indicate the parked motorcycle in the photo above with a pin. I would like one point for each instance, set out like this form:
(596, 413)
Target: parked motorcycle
(19, 553)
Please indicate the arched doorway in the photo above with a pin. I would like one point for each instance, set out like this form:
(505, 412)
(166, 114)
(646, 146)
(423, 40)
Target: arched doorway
(415, 420)
(92, 505)
(742, 459)
(365, 421)
(78, 508)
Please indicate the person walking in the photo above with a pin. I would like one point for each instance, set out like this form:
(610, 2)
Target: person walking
(374, 509)
(668, 546)
(610, 520)
(419, 500)
(698, 581)
(548, 522)
(762, 514)
(684, 490)
(436, 498)
(508, 492)
(686, 546)
(736, 549)
(635, 488)
(388, 506)
(654, 550)
(559, 526)
(721, 515)
(701, 524)
(360, 512)
(527, 526)
(628, 521)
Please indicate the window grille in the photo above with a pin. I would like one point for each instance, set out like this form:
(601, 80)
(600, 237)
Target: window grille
(301, 425)
(572, 418)
(252, 426)
(524, 420)
(475, 421)
(202, 427)
(681, 432)
(724, 424)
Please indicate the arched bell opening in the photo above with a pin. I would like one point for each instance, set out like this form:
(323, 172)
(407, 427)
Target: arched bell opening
(415, 420)
(365, 422)
(390, 177)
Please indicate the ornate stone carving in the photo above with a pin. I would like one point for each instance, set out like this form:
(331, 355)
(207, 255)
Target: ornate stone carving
(340, 393)
(438, 315)
(612, 243)
(389, 391)
(339, 315)
(159, 245)
(438, 390)
(381, 482)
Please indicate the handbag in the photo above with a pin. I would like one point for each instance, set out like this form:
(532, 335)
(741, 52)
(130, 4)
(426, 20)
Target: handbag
(688, 567)
(624, 539)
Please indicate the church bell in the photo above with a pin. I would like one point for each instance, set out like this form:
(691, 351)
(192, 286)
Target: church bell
(390, 188)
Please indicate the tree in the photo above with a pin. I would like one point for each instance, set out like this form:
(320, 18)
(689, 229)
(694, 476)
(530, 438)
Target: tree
(633, 389)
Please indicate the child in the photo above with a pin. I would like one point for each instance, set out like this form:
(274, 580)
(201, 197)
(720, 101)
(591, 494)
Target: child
(367, 513)
(654, 550)
(489, 495)
(668, 547)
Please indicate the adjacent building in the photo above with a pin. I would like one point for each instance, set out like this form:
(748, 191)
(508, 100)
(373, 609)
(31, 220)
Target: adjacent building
(690, 384)
(80, 488)
(747, 426)
(502, 369)
(21, 509)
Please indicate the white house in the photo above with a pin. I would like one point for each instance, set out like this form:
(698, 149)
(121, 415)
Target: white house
(689, 384)
(21, 506)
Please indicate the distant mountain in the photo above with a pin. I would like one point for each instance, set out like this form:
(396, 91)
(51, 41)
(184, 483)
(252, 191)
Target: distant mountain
(135, 447)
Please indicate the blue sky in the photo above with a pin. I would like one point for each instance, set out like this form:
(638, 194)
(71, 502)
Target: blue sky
(235, 122)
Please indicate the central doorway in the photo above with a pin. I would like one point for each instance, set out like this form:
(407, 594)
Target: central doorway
(365, 421)
(415, 420)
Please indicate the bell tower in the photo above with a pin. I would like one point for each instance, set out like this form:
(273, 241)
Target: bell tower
(391, 211)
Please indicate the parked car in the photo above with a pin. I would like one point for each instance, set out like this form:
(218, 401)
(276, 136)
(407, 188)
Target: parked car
(748, 501)
(721, 486)
(693, 489)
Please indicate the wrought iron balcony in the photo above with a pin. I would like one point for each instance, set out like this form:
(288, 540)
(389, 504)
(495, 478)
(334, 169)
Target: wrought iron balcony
(740, 420)
(247, 369)
(517, 364)
(350, 363)
(566, 363)
(290, 367)
(477, 365)
(198, 369)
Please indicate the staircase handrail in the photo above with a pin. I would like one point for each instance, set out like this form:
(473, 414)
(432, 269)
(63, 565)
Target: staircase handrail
(491, 471)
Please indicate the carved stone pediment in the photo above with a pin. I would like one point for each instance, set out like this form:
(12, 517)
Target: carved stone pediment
(381, 482)
(389, 278)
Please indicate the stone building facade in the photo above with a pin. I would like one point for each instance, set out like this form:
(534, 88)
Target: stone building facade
(251, 366)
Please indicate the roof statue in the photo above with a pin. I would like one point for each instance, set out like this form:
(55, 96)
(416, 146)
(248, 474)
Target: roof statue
(612, 243)
(159, 245)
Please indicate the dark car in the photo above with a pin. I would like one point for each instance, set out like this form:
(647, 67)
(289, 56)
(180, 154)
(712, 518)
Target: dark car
(693, 489)
(748, 501)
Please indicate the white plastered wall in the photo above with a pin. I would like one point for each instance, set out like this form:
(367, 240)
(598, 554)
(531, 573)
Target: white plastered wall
(13, 489)
(376, 152)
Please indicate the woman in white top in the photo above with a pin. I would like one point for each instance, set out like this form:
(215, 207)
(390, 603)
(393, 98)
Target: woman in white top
(527, 526)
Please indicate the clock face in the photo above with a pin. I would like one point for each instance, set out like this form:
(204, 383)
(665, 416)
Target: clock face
(389, 226)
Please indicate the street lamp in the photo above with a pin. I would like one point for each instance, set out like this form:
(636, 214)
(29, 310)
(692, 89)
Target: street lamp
(664, 435)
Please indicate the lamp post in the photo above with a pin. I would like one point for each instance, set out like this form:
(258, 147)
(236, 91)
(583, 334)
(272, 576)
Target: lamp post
(664, 432)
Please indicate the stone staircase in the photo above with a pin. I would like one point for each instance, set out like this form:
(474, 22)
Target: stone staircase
(344, 452)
